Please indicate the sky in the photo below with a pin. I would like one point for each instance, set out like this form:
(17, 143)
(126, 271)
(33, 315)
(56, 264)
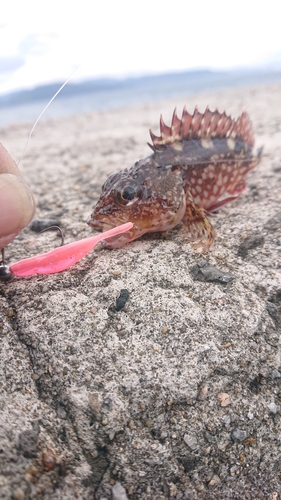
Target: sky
(44, 42)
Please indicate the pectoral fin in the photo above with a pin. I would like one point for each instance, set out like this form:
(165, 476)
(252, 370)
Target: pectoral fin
(198, 227)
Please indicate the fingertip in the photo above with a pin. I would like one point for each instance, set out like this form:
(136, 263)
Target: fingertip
(17, 206)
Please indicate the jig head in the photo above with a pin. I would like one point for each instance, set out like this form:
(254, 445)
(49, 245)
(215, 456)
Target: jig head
(5, 273)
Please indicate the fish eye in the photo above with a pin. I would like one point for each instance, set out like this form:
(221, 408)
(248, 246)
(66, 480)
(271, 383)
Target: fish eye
(127, 194)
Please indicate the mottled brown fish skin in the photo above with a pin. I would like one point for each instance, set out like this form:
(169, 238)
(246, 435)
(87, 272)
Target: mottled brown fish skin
(198, 165)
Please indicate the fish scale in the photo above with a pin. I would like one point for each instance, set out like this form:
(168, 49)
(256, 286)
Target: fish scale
(198, 164)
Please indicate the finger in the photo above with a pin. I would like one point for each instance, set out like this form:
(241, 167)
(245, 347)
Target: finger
(17, 207)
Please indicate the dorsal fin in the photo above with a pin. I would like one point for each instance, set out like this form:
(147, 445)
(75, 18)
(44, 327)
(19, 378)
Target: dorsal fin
(209, 125)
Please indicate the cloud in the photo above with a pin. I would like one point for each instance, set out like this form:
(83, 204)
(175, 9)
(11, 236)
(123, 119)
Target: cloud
(9, 64)
(35, 43)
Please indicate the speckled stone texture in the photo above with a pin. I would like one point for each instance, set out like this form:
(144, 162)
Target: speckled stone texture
(176, 392)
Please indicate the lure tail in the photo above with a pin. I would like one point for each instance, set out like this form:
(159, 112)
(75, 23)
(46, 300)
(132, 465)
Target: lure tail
(62, 258)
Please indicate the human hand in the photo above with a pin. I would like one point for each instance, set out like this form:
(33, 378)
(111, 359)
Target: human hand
(17, 205)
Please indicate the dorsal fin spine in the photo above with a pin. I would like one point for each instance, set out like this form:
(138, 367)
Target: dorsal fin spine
(210, 124)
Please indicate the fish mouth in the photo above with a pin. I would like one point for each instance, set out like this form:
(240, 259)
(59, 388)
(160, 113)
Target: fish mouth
(101, 225)
(117, 241)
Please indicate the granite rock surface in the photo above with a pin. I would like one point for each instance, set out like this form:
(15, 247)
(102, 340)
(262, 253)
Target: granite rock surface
(175, 394)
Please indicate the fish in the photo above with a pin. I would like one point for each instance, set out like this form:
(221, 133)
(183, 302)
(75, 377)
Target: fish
(197, 165)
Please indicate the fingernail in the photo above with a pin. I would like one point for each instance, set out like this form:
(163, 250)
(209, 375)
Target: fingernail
(7, 164)
(17, 205)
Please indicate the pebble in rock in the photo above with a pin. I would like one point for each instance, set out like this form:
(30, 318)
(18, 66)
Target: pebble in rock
(224, 399)
(191, 441)
(119, 492)
(239, 435)
(252, 241)
(38, 225)
(203, 271)
(274, 223)
(122, 299)
(272, 407)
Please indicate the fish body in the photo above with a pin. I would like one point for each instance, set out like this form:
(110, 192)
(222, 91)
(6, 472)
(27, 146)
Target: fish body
(198, 164)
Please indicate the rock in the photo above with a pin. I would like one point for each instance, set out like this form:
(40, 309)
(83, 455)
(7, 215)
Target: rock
(94, 379)
(18, 494)
(274, 223)
(189, 494)
(191, 441)
(119, 492)
(173, 489)
(215, 480)
(224, 399)
(254, 240)
(203, 392)
(273, 307)
(38, 225)
(273, 496)
(189, 462)
(210, 438)
(272, 407)
(203, 271)
(27, 443)
(276, 374)
(122, 299)
(239, 435)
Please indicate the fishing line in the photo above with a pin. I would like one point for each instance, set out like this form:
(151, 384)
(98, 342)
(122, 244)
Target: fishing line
(42, 112)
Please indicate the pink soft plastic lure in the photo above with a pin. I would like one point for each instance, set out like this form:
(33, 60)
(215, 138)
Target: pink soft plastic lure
(63, 257)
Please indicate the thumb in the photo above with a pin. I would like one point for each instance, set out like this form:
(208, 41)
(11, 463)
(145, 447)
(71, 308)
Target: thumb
(17, 205)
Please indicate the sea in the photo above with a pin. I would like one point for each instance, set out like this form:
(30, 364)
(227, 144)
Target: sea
(106, 93)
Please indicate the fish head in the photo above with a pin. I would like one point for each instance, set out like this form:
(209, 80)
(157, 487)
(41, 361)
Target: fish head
(149, 196)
